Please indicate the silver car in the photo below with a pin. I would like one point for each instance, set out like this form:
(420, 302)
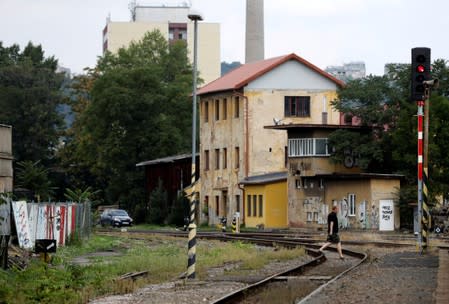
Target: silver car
(115, 218)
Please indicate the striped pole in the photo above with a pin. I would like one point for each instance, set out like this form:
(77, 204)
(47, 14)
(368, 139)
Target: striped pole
(195, 17)
(425, 220)
(420, 173)
(426, 214)
(192, 241)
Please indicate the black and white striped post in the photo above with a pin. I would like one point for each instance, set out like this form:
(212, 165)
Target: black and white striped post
(195, 17)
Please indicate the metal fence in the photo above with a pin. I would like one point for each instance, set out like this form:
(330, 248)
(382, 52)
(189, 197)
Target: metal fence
(30, 221)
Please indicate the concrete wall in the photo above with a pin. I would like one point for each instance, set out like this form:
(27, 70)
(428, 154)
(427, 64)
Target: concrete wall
(219, 134)
(309, 207)
(6, 158)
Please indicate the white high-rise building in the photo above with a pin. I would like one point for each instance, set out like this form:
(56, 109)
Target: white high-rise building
(348, 71)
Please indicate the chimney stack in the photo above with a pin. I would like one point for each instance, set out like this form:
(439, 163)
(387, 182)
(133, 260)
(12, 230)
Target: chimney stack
(254, 43)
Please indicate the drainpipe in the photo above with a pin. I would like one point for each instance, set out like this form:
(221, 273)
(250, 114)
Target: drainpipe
(241, 187)
(246, 153)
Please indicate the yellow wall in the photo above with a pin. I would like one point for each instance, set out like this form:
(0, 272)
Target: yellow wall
(274, 205)
(120, 34)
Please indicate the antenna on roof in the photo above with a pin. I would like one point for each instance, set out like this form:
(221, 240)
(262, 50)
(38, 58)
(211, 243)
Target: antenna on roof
(132, 8)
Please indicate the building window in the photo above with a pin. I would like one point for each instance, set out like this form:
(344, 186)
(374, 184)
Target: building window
(248, 204)
(321, 183)
(217, 205)
(225, 204)
(177, 31)
(217, 159)
(206, 160)
(237, 203)
(260, 206)
(237, 157)
(298, 106)
(206, 111)
(351, 202)
(309, 216)
(206, 203)
(348, 119)
(254, 205)
(225, 158)
(285, 156)
(236, 107)
(217, 109)
(225, 109)
(307, 147)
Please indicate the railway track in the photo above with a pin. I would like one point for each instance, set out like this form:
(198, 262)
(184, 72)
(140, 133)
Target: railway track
(293, 283)
(298, 283)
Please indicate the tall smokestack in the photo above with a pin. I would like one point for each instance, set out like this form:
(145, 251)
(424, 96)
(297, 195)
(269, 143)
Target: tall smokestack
(254, 44)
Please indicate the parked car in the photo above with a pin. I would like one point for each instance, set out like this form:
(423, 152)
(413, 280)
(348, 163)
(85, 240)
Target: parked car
(115, 217)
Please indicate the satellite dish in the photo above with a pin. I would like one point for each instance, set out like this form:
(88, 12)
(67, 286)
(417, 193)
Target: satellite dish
(276, 121)
(349, 161)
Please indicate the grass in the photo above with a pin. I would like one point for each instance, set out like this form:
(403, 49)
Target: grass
(165, 258)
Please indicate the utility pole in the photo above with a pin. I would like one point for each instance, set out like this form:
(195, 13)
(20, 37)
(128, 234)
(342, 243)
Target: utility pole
(195, 17)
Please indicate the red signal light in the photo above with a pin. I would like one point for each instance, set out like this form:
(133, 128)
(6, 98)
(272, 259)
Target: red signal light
(420, 68)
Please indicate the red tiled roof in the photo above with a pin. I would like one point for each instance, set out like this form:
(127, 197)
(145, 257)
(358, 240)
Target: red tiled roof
(246, 73)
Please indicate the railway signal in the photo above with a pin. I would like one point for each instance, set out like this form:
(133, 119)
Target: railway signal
(420, 93)
(420, 72)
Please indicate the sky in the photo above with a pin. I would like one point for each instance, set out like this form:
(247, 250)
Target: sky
(324, 32)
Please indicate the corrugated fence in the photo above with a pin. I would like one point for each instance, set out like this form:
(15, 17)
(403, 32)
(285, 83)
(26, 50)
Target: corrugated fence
(34, 221)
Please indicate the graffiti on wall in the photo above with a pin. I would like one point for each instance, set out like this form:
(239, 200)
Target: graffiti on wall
(5, 224)
(386, 215)
(315, 210)
(343, 214)
(21, 218)
(374, 216)
(362, 214)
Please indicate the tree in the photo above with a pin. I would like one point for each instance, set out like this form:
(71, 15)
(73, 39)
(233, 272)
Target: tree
(383, 104)
(137, 107)
(374, 101)
(29, 95)
(33, 177)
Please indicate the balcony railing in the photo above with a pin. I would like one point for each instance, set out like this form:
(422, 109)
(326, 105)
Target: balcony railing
(298, 147)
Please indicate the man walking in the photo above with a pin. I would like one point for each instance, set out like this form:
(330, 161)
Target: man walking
(332, 232)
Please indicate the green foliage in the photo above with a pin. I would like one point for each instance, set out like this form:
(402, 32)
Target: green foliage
(29, 96)
(383, 104)
(79, 195)
(374, 101)
(179, 210)
(163, 257)
(135, 106)
(33, 176)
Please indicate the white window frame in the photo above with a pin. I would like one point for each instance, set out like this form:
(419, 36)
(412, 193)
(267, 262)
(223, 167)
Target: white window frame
(309, 216)
(299, 147)
(351, 204)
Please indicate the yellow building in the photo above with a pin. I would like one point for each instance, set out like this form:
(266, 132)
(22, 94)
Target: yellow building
(315, 184)
(234, 110)
(174, 25)
(266, 200)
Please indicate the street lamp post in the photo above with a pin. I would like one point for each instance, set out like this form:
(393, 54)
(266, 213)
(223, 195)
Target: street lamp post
(195, 17)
